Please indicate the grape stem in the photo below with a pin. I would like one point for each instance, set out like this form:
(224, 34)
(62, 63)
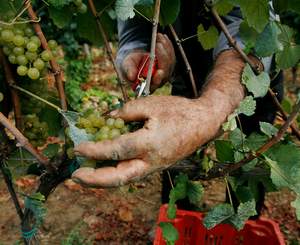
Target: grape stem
(24, 142)
(185, 60)
(55, 67)
(36, 97)
(14, 94)
(153, 45)
(108, 48)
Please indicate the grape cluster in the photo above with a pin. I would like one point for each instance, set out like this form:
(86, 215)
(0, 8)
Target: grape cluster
(81, 8)
(23, 48)
(34, 130)
(102, 128)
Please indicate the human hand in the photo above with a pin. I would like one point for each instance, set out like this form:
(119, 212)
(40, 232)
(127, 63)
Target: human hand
(174, 128)
(165, 62)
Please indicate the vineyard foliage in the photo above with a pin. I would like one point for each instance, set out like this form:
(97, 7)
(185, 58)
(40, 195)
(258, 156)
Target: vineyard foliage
(68, 24)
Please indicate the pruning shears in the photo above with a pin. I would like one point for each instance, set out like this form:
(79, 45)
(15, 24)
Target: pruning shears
(140, 86)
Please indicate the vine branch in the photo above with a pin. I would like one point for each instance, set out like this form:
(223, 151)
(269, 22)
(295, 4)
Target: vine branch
(23, 141)
(54, 66)
(153, 45)
(185, 60)
(14, 94)
(254, 66)
(108, 48)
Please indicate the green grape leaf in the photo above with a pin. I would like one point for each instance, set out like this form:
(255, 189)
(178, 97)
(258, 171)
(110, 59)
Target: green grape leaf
(248, 35)
(223, 7)
(257, 85)
(217, 215)
(290, 54)
(255, 12)
(245, 210)
(86, 25)
(209, 38)
(59, 3)
(237, 138)
(230, 125)
(289, 57)
(51, 150)
(284, 161)
(178, 192)
(247, 106)
(224, 151)
(255, 140)
(169, 11)
(61, 17)
(170, 233)
(243, 193)
(8, 9)
(125, 9)
(268, 129)
(268, 41)
(195, 192)
(296, 205)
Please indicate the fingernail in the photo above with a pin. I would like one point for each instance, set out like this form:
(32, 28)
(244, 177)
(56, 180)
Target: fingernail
(113, 113)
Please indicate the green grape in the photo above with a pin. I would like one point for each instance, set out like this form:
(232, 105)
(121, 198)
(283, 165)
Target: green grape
(18, 51)
(22, 60)
(32, 46)
(104, 105)
(29, 32)
(29, 135)
(77, 2)
(36, 40)
(19, 40)
(124, 130)
(26, 39)
(114, 133)
(22, 70)
(104, 129)
(31, 55)
(46, 55)
(119, 123)
(91, 130)
(52, 44)
(18, 31)
(84, 123)
(110, 122)
(7, 35)
(6, 50)
(82, 9)
(98, 122)
(1, 96)
(12, 59)
(33, 73)
(101, 136)
(39, 64)
(70, 153)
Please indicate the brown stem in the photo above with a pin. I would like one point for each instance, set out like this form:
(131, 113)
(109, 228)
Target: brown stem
(223, 170)
(153, 45)
(108, 48)
(232, 41)
(23, 141)
(294, 126)
(14, 94)
(185, 60)
(54, 66)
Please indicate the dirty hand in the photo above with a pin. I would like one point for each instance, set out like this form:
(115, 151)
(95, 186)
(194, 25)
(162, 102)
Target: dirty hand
(174, 128)
(165, 57)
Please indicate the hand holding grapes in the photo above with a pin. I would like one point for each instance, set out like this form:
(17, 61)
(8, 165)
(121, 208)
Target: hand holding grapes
(174, 128)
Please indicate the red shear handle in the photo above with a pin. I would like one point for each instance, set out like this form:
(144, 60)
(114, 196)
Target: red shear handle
(143, 71)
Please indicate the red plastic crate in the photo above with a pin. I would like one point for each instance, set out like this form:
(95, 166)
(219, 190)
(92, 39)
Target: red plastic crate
(191, 231)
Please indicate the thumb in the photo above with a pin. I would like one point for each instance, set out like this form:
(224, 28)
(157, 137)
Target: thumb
(158, 78)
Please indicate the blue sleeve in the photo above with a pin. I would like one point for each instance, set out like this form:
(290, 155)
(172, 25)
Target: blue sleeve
(133, 34)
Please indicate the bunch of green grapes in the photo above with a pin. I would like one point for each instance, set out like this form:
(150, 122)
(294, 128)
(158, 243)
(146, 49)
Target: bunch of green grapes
(34, 130)
(102, 128)
(30, 104)
(81, 8)
(23, 49)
